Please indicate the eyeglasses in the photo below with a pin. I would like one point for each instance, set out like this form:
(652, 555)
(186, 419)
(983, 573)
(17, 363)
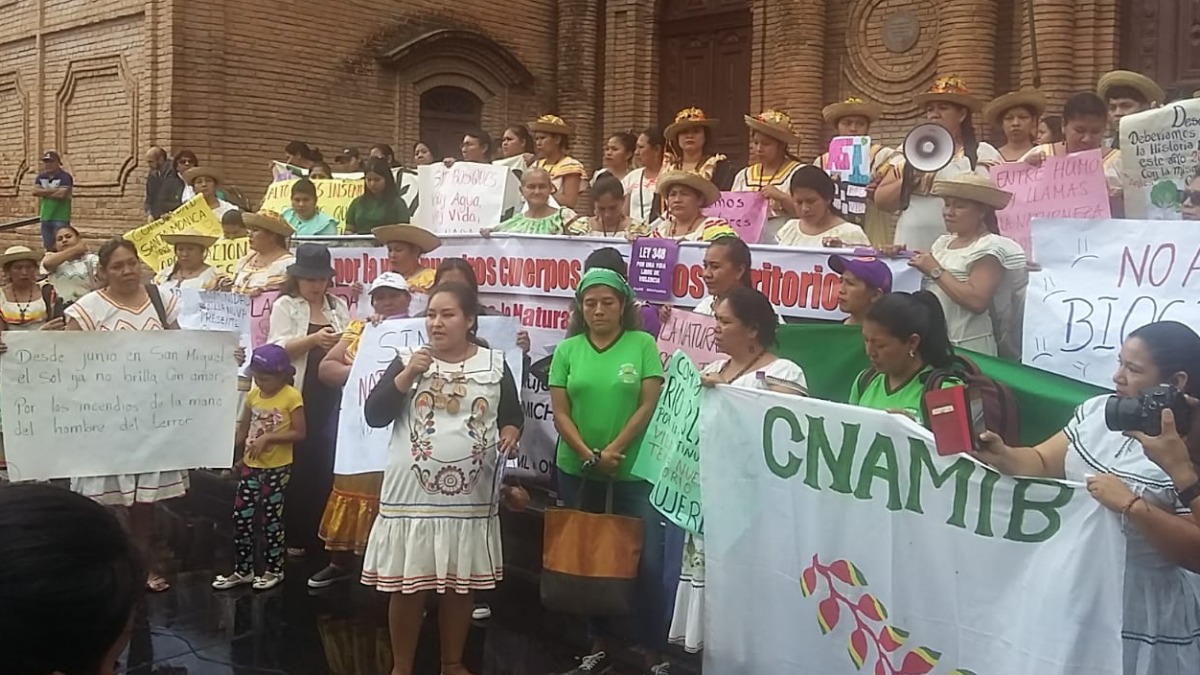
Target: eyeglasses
(1190, 197)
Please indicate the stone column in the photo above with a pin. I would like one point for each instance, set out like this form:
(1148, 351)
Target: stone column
(793, 63)
(578, 77)
(967, 44)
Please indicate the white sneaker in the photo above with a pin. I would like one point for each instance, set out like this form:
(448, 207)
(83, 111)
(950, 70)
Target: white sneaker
(268, 581)
(223, 583)
(482, 612)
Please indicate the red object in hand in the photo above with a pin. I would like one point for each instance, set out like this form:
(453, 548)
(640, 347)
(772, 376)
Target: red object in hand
(955, 418)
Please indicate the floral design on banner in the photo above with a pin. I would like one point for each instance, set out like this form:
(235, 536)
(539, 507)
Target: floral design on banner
(872, 638)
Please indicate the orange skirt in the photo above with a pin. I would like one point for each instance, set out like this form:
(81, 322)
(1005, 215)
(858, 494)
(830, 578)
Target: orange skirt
(350, 512)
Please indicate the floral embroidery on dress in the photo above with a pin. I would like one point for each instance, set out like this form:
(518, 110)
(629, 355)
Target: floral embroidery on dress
(423, 427)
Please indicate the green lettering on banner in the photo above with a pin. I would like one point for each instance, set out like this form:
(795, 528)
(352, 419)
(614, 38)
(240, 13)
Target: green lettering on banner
(987, 488)
(839, 465)
(670, 454)
(883, 449)
(768, 442)
(922, 464)
(1022, 506)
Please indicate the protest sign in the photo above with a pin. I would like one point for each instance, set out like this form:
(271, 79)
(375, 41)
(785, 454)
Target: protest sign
(333, 197)
(1101, 280)
(1070, 186)
(836, 537)
(214, 310)
(193, 215)
(224, 254)
(746, 213)
(669, 456)
(465, 197)
(539, 439)
(261, 304)
(1160, 152)
(651, 264)
(690, 333)
(104, 403)
(281, 171)
(850, 159)
(361, 449)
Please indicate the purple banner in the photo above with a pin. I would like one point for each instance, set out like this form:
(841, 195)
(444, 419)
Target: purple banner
(651, 263)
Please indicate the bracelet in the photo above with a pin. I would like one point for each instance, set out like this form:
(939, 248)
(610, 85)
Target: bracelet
(1130, 505)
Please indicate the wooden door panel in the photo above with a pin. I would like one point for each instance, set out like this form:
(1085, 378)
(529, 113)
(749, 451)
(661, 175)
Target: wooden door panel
(1187, 42)
(732, 86)
(1161, 39)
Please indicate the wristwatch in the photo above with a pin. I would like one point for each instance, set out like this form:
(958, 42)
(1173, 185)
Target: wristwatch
(936, 272)
(589, 463)
(1191, 494)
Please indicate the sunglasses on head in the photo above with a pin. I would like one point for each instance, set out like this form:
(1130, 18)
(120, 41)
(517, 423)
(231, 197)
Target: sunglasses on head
(1191, 197)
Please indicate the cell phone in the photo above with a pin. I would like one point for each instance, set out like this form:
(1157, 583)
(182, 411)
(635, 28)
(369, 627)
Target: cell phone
(978, 419)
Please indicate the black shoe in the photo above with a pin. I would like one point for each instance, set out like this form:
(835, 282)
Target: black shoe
(329, 576)
(592, 664)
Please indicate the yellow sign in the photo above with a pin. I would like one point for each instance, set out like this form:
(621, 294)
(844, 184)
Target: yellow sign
(225, 254)
(194, 215)
(333, 197)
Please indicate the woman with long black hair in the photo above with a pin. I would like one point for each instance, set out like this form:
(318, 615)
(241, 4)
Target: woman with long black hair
(380, 202)
(905, 191)
(641, 202)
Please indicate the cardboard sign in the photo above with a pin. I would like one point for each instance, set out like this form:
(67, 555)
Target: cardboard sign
(465, 197)
(224, 254)
(746, 213)
(193, 215)
(651, 264)
(692, 334)
(333, 197)
(850, 159)
(1160, 152)
(1062, 187)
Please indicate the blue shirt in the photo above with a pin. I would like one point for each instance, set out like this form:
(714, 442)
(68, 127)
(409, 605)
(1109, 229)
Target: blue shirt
(320, 224)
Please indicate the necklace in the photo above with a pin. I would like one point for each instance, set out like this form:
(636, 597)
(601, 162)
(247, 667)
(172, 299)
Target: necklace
(643, 205)
(759, 183)
(690, 228)
(23, 307)
(743, 371)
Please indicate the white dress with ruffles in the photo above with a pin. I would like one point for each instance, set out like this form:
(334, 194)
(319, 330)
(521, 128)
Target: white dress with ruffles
(438, 528)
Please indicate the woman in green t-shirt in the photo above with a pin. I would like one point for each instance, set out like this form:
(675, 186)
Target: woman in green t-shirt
(905, 337)
(604, 383)
(380, 202)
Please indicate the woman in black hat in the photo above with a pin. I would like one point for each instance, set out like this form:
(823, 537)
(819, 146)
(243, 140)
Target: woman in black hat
(307, 321)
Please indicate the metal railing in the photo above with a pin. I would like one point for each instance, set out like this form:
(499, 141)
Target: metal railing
(19, 223)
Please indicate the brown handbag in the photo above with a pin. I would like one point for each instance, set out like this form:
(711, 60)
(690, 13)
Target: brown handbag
(590, 561)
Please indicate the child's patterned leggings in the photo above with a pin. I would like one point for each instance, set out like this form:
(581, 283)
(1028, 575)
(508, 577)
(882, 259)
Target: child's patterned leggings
(259, 493)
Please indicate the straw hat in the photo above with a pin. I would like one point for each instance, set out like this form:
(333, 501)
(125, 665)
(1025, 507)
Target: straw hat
(688, 118)
(775, 124)
(973, 187)
(1136, 81)
(951, 90)
(14, 253)
(709, 193)
(551, 124)
(189, 236)
(195, 172)
(418, 236)
(1029, 98)
(269, 221)
(851, 106)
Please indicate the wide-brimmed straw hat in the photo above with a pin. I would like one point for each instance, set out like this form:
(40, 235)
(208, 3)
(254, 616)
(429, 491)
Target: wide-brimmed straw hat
(851, 106)
(14, 253)
(709, 192)
(1147, 87)
(269, 221)
(775, 124)
(550, 124)
(189, 236)
(195, 172)
(688, 118)
(951, 90)
(973, 187)
(1028, 98)
(418, 236)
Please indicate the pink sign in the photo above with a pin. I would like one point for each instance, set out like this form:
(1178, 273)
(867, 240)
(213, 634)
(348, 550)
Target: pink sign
(1071, 186)
(260, 312)
(694, 333)
(746, 213)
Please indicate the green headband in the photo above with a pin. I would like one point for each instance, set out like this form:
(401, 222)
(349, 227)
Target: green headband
(601, 276)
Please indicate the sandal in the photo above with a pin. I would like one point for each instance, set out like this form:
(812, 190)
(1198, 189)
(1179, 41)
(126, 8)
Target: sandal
(156, 583)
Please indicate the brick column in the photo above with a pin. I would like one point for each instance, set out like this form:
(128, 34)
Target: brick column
(578, 77)
(793, 60)
(629, 99)
(1058, 58)
(967, 44)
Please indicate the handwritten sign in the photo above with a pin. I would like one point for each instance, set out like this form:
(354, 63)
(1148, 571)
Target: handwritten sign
(224, 254)
(691, 333)
(193, 215)
(746, 213)
(651, 264)
(1100, 280)
(214, 310)
(850, 159)
(361, 449)
(261, 305)
(1160, 152)
(105, 403)
(670, 454)
(333, 196)
(465, 197)
(1062, 187)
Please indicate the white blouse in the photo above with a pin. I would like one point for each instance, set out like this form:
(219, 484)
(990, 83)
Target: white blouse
(968, 329)
(290, 319)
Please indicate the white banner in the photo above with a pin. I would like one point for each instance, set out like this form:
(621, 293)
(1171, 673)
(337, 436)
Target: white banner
(838, 541)
(105, 403)
(465, 197)
(1101, 280)
(1160, 152)
(361, 449)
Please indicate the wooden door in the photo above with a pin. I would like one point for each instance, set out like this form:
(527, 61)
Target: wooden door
(447, 114)
(1161, 39)
(706, 51)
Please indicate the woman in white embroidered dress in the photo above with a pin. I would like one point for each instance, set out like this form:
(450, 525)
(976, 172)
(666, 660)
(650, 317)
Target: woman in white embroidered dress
(127, 304)
(640, 192)
(771, 136)
(455, 412)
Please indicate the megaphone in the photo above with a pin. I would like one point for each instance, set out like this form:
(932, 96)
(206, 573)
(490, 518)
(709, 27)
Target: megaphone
(928, 148)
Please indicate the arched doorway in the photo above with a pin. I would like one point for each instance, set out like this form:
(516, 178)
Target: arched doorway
(446, 114)
(705, 58)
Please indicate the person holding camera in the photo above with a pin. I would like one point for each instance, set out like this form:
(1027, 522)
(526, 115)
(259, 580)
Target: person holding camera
(1159, 365)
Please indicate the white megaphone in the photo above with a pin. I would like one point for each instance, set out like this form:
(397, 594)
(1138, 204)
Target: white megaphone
(928, 148)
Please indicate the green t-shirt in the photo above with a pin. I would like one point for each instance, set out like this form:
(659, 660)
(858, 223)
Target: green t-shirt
(908, 397)
(367, 212)
(604, 387)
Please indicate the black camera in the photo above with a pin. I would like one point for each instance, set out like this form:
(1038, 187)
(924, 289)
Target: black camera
(1144, 411)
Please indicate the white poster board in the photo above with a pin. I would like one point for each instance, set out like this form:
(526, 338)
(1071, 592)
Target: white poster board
(104, 403)
(361, 449)
(465, 197)
(1101, 280)
(1160, 152)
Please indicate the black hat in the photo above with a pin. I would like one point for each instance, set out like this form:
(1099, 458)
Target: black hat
(51, 156)
(348, 153)
(312, 262)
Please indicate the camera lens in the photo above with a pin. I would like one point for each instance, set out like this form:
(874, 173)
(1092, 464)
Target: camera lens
(1123, 414)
